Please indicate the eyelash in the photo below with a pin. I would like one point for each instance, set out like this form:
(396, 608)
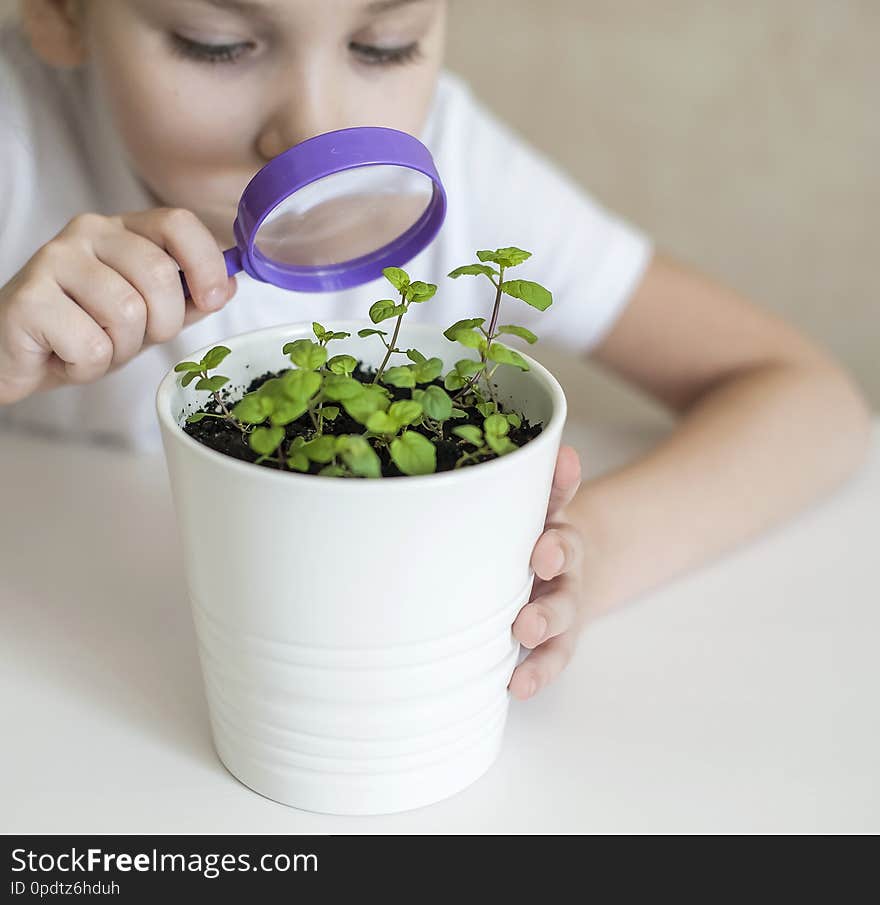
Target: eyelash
(387, 56)
(230, 53)
(209, 53)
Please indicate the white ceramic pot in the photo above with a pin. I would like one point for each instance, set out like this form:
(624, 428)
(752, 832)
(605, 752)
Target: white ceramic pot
(355, 635)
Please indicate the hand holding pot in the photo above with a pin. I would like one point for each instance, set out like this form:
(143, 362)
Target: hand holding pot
(550, 622)
(104, 288)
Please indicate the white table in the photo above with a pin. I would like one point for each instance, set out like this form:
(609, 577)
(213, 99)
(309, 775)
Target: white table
(742, 698)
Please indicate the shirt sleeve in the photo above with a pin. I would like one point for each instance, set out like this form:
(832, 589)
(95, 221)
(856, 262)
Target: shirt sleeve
(503, 192)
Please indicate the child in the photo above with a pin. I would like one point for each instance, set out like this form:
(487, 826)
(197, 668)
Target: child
(128, 129)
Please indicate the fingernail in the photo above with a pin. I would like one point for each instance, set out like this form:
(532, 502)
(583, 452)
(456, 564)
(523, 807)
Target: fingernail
(558, 561)
(215, 298)
(533, 687)
(540, 628)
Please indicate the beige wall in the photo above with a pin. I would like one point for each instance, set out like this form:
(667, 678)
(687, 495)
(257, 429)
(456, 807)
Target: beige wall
(744, 135)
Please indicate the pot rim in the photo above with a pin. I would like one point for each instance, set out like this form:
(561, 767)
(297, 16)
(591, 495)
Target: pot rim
(552, 426)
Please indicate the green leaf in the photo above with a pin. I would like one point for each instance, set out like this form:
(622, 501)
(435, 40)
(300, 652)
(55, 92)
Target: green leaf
(474, 270)
(383, 309)
(496, 426)
(342, 364)
(513, 419)
(369, 332)
(501, 446)
(415, 355)
(407, 411)
(466, 324)
(397, 277)
(371, 399)
(359, 456)
(188, 366)
(330, 412)
(332, 471)
(320, 449)
(506, 356)
(214, 357)
(506, 257)
(306, 354)
(458, 413)
(471, 339)
(383, 423)
(533, 294)
(265, 440)
(436, 403)
(419, 291)
(319, 331)
(470, 433)
(286, 410)
(452, 381)
(189, 377)
(212, 384)
(272, 389)
(400, 377)
(298, 460)
(521, 332)
(467, 367)
(299, 386)
(339, 388)
(486, 408)
(338, 335)
(414, 454)
(195, 418)
(252, 409)
(427, 371)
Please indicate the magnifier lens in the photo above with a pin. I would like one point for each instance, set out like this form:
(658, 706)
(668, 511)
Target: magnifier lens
(344, 216)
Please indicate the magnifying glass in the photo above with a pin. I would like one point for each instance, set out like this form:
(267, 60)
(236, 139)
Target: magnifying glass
(333, 211)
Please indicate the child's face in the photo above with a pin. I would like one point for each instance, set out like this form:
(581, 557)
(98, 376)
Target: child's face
(203, 92)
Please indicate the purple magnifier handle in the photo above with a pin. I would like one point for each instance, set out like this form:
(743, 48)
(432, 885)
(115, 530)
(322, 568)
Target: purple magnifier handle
(316, 159)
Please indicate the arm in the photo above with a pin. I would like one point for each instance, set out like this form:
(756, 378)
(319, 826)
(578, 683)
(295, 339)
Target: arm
(768, 423)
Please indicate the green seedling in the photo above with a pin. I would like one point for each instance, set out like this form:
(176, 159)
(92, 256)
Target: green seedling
(199, 369)
(492, 438)
(471, 333)
(411, 293)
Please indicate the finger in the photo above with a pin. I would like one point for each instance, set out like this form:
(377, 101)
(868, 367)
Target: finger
(541, 666)
(559, 549)
(110, 300)
(190, 243)
(566, 480)
(191, 314)
(153, 272)
(47, 326)
(548, 615)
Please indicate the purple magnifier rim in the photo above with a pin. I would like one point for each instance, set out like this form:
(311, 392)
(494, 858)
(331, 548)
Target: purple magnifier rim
(314, 159)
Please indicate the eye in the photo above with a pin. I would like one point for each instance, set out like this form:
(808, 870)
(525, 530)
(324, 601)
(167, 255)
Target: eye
(209, 53)
(386, 56)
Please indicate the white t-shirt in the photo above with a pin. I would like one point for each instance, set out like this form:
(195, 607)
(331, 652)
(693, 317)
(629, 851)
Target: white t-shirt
(59, 156)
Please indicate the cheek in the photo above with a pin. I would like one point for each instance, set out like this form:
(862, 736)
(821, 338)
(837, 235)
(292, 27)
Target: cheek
(166, 114)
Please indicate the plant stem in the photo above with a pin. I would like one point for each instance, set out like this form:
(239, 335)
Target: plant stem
(490, 335)
(391, 348)
(226, 413)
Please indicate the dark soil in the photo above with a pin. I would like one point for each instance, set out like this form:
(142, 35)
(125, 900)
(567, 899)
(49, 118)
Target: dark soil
(225, 438)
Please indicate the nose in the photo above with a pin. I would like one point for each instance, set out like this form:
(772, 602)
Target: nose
(308, 104)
